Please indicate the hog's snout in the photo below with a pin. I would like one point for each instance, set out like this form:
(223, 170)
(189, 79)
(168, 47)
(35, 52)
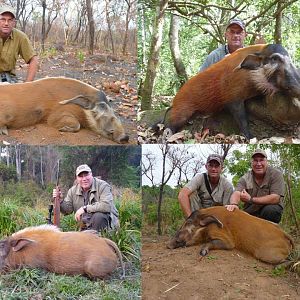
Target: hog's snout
(173, 244)
(124, 139)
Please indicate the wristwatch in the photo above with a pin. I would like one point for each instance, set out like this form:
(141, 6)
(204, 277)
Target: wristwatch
(251, 201)
(85, 208)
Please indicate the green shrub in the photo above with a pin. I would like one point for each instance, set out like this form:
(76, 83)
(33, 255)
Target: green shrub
(171, 213)
(7, 173)
(23, 193)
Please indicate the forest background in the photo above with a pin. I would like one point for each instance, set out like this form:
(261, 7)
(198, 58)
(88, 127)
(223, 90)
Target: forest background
(174, 37)
(94, 24)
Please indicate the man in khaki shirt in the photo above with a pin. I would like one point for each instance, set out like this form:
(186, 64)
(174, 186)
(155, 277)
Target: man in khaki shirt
(195, 195)
(261, 190)
(91, 200)
(12, 44)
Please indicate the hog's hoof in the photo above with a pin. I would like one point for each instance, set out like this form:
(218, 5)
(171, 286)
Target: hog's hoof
(203, 252)
(3, 130)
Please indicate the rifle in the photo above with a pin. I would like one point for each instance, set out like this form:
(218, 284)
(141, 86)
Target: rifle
(56, 207)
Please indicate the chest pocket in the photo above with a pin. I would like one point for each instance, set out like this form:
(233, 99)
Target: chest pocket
(263, 191)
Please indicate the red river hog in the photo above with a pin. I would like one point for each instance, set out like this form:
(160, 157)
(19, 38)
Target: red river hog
(248, 72)
(217, 228)
(64, 103)
(70, 253)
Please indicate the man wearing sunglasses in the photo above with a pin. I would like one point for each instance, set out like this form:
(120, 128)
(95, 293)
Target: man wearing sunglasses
(14, 43)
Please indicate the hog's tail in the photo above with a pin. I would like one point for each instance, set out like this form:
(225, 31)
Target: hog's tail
(119, 254)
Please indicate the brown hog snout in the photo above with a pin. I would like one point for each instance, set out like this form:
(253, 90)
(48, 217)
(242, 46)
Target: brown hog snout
(192, 230)
(70, 253)
(217, 228)
(101, 117)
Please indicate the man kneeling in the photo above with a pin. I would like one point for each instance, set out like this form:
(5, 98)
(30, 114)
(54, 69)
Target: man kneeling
(91, 200)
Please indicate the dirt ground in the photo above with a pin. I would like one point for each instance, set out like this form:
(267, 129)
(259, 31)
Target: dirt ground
(179, 274)
(99, 70)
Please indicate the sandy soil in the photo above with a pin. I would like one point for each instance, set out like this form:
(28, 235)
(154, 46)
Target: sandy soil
(179, 274)
(95, 73)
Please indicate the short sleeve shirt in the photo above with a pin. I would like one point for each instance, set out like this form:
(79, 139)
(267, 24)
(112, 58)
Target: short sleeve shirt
(16, 44)
(220, 194)
(273, 183)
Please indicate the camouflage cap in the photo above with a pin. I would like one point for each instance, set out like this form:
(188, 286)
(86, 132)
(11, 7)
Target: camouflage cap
(6, 8)
(83, 168)
(259, 151)
(215, 157)
(237, 22)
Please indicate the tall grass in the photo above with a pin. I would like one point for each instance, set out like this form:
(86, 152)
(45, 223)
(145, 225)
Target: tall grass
(172, 216)
(38, 284)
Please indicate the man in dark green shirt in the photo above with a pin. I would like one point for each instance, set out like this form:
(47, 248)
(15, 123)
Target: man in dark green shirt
(13, 43)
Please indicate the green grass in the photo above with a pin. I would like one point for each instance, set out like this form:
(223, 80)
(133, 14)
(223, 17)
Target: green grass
(38, 284)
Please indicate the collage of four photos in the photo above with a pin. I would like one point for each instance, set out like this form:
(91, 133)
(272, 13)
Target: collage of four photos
(149, 149)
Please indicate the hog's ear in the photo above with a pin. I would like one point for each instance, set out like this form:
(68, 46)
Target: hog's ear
(85, 102)
(251, 62)
(20, 243)
(208, 219)
(103, 107)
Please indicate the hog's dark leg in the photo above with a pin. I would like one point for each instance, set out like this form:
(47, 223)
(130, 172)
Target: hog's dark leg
(215, 245)
(238, 111)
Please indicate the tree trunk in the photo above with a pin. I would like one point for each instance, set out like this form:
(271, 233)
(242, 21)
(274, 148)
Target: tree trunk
(91, 22)
(290, 198)
(147, 87)
(129, 5)
(278, 23)
(175, 50)
(164, 150)
(41, 167)
(43, 24)
(143, 38)
(18, 161)
(80, 17)
(109, 27)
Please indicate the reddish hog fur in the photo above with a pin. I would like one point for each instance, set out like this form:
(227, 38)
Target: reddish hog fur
(68, 253)
(210, 90)
(218, 228)
(64, 103)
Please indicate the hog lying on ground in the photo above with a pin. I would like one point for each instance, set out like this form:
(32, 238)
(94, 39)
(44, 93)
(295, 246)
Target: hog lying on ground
(64, 103)
(68, 253)
(217, 228)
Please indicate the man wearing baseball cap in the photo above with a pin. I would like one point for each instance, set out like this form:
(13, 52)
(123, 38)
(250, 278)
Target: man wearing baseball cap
(206, 189)
(91, 200)
(261, 190)
(235, 35)
(13, 43)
